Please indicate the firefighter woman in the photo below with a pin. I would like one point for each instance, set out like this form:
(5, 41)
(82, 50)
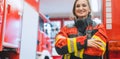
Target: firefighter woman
(85, 39)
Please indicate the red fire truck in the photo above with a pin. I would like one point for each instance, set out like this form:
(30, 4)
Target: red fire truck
(10, 28)
(111, 18)
(13, 14)
(44, 47)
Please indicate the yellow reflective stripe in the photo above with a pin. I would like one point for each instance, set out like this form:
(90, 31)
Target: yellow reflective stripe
(72, 44)
(104, 44)
(78, 53)
(81, 53)
(96, 37)
(75, 46)
(67, 56)
(69, 46)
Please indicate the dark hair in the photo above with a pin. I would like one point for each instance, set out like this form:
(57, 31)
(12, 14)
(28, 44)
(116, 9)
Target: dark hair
(74, 8)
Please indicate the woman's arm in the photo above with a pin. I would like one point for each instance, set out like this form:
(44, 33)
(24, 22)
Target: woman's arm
(65, 45)
(98, 41)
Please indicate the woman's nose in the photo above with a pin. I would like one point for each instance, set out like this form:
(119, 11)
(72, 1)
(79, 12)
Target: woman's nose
(80, 7)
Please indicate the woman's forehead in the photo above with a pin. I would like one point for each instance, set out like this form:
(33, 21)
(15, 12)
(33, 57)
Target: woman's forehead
(82, 1)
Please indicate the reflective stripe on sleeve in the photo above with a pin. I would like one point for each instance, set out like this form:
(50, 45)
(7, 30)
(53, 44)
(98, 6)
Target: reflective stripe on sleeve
(75, 46)
(67, 56)
(80, 53)
(70, 45)
(104, 44)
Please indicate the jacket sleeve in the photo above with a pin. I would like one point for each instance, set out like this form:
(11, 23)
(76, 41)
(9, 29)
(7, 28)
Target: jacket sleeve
(65, 45)
(100, 35)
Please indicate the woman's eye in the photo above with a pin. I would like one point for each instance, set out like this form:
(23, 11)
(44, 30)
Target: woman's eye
(84, 5)
(78, 6)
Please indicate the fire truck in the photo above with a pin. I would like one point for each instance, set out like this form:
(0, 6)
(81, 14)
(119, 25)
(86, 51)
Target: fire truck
(111, 20)
(10, 29)
(44, 47)
(21, 24)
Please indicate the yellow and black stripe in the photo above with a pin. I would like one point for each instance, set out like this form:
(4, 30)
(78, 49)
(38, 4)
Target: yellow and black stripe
(103, 47)
(72, 47)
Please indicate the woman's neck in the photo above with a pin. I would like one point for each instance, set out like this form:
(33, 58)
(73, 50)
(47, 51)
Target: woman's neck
(84, 17)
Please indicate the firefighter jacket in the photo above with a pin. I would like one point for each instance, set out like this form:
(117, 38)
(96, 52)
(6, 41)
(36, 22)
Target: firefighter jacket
(72, 44)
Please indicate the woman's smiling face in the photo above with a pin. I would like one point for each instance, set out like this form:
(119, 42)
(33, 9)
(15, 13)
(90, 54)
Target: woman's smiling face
(82, 8)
